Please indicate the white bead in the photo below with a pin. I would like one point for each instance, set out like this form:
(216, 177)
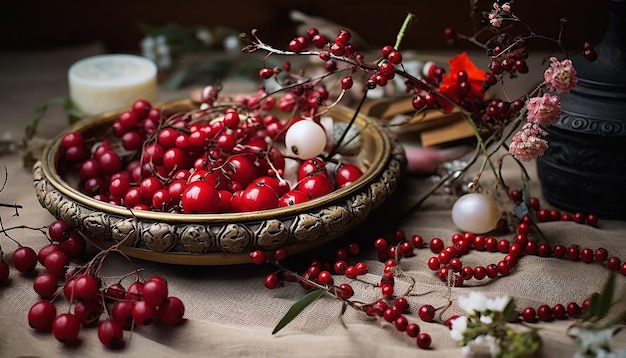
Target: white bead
(476, 213)
(305, 139)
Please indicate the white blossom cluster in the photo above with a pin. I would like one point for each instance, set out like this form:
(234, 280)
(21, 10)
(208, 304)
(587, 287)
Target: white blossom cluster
(157, 49)
(595, 343)
(481, 311)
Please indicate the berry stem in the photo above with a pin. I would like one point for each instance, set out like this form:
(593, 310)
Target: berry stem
(405, 26)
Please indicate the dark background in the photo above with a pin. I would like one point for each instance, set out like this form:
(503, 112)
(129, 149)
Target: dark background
(31, 24)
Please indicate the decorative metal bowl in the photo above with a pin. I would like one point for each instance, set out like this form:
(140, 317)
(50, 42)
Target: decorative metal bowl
(225, 238)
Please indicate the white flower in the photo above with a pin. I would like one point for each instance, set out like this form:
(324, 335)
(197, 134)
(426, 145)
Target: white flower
(459, 325)
(482, 346)
(161, 40)
(205, 36)
(486, 319)
(231, 43)
(497, 304)
(157, 49)
(474, 302)
(595, 342)
(147, 47)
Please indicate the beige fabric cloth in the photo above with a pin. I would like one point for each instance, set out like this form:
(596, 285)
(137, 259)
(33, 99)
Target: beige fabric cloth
(229, 311)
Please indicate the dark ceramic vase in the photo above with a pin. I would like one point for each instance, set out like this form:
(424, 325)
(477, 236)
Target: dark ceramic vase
(584, 169)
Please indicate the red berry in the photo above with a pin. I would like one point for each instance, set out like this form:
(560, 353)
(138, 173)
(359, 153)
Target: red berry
(544, 312)
(272, 280)
(573, 253)
(480, 272)
(424, 340)
(143, 313)
(544, 250)
(412, 330)
(559, 311)
(111, 334)
(427, 313)
(171, 311)
(85, 288)
(74, 246)
(266, 73)
(46, 285)
(573, 310)
(155, 292)
(387, 291)
(436, 245)
(141, 108)
(492, 270)
(586, 255)
(41, 316)
(88, 312)
(258, 257)
(401, 323)
(72, 139)
(44, 251)
(66, 328)
(601, 254)
(346, 82)
(529, 315)
(200, 197)
(122, 313)
(340, 267)
(24, 259)
(56, 263)
(59, 231)
(325, 278)
(614, 263)
(559, 251)
(394, 57)
(280, 254)
(344, 291)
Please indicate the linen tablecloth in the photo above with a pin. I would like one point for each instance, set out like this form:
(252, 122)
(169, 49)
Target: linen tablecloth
(229, 312)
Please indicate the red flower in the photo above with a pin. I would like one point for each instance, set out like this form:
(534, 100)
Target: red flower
(450, 83)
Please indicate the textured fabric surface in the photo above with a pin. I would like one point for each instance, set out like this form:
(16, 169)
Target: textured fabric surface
(230, 313)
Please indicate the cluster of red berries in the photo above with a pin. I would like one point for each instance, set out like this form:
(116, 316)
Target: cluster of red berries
(65, 244)
(140, 304)
(343, 48)
(213, 160)
(391, 307)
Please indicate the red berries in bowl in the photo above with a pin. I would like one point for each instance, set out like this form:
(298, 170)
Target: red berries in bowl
(207, 161)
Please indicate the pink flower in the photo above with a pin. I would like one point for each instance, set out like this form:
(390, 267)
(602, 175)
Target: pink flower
(544, 110)
(496, 22)
(560, 76)
(528, 143)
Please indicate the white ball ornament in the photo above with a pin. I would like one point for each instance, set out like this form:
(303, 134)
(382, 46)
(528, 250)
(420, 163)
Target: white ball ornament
(305, 139)
(476, 213)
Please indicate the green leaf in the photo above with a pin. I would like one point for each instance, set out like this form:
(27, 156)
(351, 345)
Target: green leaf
(31, 127)
(176, 80)
(617, 319)
(298, 307)
(510, 314)
(73, 113)
(599, 305)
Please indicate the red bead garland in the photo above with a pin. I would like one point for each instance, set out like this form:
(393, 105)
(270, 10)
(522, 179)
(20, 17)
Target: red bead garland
(449, 268)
